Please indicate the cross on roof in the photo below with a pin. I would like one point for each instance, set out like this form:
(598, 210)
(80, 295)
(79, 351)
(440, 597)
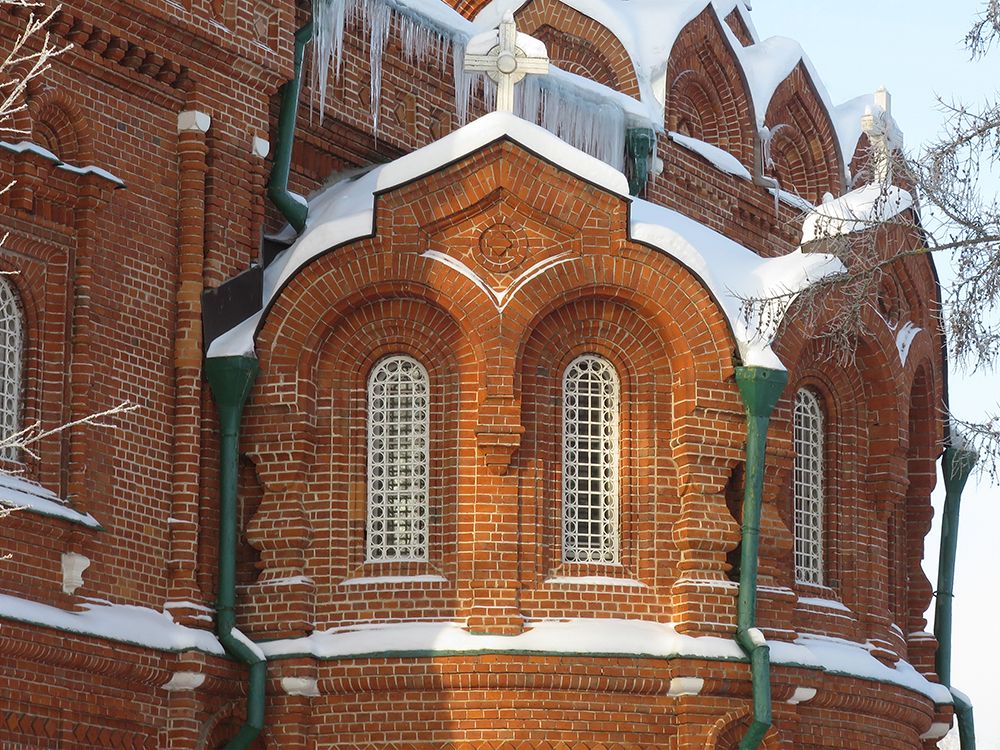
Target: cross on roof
(506, 62)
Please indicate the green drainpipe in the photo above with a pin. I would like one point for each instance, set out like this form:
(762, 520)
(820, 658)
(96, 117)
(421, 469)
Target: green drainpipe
(639, 144)
(956, 465)
(291, 206)
(231, 379)
(760, 388)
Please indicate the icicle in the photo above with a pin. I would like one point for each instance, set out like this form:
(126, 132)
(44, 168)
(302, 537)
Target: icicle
(379, 16)
(328, 45)
(421, 41)
(593, 125)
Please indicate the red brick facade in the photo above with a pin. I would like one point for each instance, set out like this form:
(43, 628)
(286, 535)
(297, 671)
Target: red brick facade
(110, 282)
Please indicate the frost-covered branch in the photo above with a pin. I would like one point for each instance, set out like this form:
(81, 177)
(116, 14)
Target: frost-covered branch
(29, 57)
(26, 438)
(982, 438)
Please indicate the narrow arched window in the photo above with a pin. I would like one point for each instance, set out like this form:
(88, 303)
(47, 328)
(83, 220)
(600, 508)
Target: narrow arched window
(590, 461)
(808, 487)
(398, 457)
(11, 366)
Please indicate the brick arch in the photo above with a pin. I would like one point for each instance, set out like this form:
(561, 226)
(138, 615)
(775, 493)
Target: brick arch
(729, 730)
(707, 88)
(294, 327)
(701, 342)
(648, 488)
(368, 333)
(572, 37)
(842, 396)
(804, 148)
(59, 124)
(577, 55)
(28, 284)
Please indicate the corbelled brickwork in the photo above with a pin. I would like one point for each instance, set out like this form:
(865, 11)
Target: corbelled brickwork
(169, 99)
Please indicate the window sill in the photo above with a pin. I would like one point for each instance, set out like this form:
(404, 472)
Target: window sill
(392, 580)
(594, 581)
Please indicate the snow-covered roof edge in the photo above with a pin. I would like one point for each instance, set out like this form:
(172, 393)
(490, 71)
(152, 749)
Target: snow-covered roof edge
(23, 147)
(121, 623)
(345, 212)
(349, 205)
(598, 637)
(31, 497)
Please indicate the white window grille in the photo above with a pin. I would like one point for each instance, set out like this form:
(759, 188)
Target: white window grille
(591, 405)
(808, 487)
(11, 365)
(398, 457)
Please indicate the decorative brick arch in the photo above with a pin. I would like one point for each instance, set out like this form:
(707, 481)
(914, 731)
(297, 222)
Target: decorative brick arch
(804, 150)
(579, 44)
(729, 730)
(648, 485)
(384, 327)
(707, 96)
(59, 124)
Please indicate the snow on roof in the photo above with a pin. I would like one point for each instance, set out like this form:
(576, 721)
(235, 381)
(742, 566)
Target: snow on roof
(124, 623)
(855, 211)
(720, 158)
(27, 147)
(734, 273)
(617, 637)
(646, 28)
(345, 211)
(847, 124)
(18, 492)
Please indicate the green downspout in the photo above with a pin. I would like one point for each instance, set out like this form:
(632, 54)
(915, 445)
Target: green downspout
(639, 144)
(231, 379)
(956, 465)
(760, 388)
(291, 206)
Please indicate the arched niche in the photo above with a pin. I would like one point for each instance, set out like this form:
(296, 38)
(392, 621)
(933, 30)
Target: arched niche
(59, 124)
(707, 96)
(803, 151)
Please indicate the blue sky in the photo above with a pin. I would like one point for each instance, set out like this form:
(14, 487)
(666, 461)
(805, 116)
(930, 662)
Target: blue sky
(914, 48)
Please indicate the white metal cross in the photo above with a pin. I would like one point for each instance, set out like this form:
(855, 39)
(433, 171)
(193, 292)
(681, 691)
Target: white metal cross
(506, 62)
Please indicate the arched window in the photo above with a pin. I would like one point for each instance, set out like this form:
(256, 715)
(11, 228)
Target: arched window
(808, 487)
(590, 461)
(11, 366)
(398, 457)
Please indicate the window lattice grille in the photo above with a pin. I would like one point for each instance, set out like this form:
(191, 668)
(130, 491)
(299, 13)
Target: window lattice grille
(11, 364)
(590, 461)
(398, 407)
(808, 487)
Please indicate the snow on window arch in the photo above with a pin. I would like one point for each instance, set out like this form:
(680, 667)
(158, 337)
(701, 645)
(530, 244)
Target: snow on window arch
(591, 405)
(809, 439)
(398, 457)
(11, 365)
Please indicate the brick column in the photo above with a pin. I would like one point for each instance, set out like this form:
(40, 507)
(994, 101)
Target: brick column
(94, 194)
(191, 155)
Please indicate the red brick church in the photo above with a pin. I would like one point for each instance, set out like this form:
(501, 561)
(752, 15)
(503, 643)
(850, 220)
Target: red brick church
(453, 428)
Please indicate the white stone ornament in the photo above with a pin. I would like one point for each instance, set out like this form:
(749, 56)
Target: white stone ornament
(73, 565)
(506, 56)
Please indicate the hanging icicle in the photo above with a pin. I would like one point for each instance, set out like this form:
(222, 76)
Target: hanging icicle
(573, 111)
(592, 124)
(422, 42)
